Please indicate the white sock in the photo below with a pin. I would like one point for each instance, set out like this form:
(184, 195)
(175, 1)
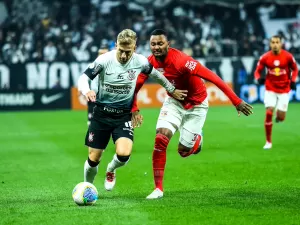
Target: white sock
(115, 163)
(89, 172)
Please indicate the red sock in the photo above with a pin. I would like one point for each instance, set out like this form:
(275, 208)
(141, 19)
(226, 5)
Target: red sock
(268, 125)
(159, 159)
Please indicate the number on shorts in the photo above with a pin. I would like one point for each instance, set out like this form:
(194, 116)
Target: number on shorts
(195, 137)
(128, 124)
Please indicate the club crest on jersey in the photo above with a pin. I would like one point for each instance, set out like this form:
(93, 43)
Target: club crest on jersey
(276, 62)
(91, 137)
(131, 74)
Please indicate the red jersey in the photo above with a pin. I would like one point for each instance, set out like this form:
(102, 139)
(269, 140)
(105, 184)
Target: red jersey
(185, 73)
(281, 70)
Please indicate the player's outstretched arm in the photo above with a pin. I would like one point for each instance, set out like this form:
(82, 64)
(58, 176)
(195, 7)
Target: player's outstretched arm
(163, 81)
(84, 88)
(240, 105)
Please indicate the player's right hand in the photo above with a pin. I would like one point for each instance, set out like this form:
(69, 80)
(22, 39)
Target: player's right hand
(90, 96)
(179, 94)
(245, 108)
(136, 119)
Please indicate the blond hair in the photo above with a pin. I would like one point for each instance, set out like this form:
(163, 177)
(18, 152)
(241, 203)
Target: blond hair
(126, 37)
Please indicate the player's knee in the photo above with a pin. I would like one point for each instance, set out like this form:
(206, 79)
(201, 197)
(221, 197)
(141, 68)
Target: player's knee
(165, 131)
(95, 154)
(161, 142)
(183, 151)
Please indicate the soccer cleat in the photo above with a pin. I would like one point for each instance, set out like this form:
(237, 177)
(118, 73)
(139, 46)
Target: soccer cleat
(110, 180)
(268, 145)
(198, 144)
(157, 193)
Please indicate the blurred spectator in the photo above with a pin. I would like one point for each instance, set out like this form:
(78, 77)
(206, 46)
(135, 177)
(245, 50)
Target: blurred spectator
(73, 30)
(50, 52)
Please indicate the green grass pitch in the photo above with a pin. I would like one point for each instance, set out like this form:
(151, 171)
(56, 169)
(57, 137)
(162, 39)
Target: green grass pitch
(232, 181)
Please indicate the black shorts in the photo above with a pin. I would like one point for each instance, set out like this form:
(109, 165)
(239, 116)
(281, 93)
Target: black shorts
(91, 106)
(108, 122)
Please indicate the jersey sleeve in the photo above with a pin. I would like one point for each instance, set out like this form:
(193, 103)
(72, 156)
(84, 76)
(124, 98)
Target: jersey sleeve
(259, 67)
(95, 67)
(148, 69)
(194, 68)
(146, 65)
(294, 68)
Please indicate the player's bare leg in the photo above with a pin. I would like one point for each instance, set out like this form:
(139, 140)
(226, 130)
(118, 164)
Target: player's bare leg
(91, 164)
(122, 156)
(163, 136)
(185, 151)
(280, 116)
(268, 127)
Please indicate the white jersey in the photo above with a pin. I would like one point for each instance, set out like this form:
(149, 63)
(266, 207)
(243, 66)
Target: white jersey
(116, 81)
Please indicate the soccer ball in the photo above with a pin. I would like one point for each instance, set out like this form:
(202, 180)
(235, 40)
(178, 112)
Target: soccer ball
(85, 193)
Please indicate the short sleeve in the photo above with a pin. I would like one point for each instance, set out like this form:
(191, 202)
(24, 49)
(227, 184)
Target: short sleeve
(146, 65)
(95, 67)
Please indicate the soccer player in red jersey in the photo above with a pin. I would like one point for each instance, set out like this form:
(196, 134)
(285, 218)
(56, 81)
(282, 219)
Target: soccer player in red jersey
(280, 78)
(187, 116)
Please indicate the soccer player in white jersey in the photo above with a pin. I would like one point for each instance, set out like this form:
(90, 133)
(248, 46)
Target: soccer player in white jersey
(117, 71)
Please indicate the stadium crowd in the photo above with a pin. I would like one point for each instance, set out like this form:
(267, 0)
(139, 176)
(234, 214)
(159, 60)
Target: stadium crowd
(73, 30)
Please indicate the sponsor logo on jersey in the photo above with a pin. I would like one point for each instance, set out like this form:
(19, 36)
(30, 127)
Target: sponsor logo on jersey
(277, 71)
(113, 110)
(125, 90)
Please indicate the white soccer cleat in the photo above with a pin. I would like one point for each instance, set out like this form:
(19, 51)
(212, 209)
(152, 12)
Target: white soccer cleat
(157, 193)
(268, 145)
(110, 180)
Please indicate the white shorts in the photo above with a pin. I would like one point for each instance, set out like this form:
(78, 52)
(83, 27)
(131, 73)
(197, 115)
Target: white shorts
(188, 122)
(277, 100)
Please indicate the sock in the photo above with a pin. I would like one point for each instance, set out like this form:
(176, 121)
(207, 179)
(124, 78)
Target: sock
(117, 162)
(268, 125)
(90, 170)
(159, 159)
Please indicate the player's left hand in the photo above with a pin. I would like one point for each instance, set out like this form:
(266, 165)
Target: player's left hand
(245, 108)
(293, 85)
(179, 94)
(136, 119)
